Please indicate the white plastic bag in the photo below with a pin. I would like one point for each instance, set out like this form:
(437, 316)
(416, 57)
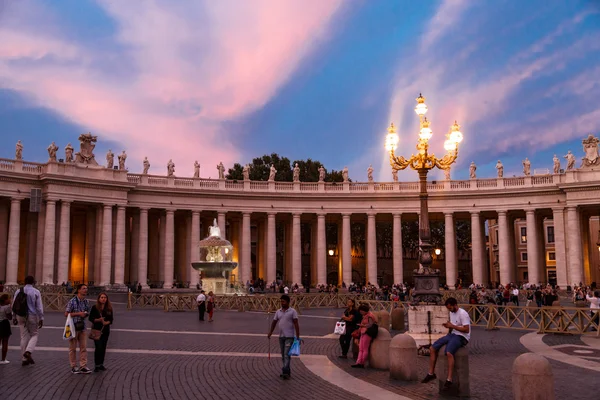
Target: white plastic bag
(69, 331)
(340, 328)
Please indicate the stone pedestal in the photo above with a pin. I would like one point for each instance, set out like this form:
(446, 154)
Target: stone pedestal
(425, 323)
(379, 353)
(216, 285)
(383, 319)
(403, 358)
(397, 319)
(460, 377)
(532, 378)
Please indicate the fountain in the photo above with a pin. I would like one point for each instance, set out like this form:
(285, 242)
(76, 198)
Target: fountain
(215, 255)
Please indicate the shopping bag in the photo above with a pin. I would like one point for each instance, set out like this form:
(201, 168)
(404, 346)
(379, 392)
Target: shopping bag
(69, 331)
(340, 328)
(295, 349)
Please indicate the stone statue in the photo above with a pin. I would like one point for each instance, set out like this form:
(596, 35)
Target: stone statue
(296, 173)
(527, 167)
(570, 160)
(19, 151)
(500, 169)
(52, 149)
(272, 173)
(395, 175)
(556, 161)
(447, 174)
(146, 166)
(590, 147)
(370, 173)
(221, 169)
(246, 172)
(196, 169)
(69, 153)
(214, 230)
(345, 174)
(321, 174)
(170, 168)
(122, 157)
(86, 149)
(110, 159)
(472, 170)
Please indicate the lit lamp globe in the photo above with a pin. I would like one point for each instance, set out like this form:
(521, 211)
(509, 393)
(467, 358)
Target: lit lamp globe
(438, 252)
(455, 133)
(392, 139)
(425, 133)
(450, 145)
(330, 252)
(421, 107)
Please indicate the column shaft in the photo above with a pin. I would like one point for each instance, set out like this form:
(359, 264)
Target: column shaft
(222, 222)
(39, 258)
(64, 236)
(372, 250)
(120, 247)
(346, 249)
(506, 273)
(106, 262)
(143, 249)
(12, 250)
(296, 250)
(195, 239)
(398, 262)
(560, 247)
(533, 253)
(321, 250)
(575, 248)
(169, 249)
(450, 250)
(478, 256)
(49, 242)
(271, 249)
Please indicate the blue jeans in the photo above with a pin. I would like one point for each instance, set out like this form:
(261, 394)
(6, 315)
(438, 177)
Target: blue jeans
(285, 343)
(453, 343)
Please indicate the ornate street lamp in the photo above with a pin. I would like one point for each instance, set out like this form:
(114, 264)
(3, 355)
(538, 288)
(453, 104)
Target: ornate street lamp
(426, 279)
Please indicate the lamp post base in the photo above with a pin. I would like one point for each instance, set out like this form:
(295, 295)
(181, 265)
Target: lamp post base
(427, 287)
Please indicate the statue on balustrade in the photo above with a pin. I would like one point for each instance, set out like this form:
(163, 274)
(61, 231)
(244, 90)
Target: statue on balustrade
(527, 167)
(395, 175)
(296, 173)
(447, 174)
(246, 172)
(146, 166)
(321, 174)
(69, 153)
(590, 147)
(86, 149)
(110, 159)
(500, 169)
(556, 161)
(472, 170)
(370, 173)
(570, 161)
(272, 173)
(19, 151)
(170, 168)
(52, 149)
(221, 169)
(196, 169)
(122, 157)
(345, 174)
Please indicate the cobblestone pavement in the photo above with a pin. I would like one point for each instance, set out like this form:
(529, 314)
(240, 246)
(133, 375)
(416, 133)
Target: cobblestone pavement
(157, 355)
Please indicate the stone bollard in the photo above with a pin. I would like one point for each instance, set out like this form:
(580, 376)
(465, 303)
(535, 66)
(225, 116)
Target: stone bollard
(460, 377)
(397, 319)
(355, 350)
(532, 378)
(383, 319)
(379, 353)
(403, 358)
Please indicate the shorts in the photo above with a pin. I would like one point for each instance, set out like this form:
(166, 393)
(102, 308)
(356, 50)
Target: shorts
(5, 330)
(453, 343)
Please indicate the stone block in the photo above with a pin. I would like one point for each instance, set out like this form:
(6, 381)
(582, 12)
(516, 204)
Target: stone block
(403, 358)
(379, 353)
(532, 378)
(460, 377)
(397, 318)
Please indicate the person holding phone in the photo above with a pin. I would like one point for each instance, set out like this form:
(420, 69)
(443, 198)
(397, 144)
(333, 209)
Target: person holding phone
(79, 308)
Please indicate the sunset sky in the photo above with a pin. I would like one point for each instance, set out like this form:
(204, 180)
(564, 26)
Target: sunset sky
(228, 80)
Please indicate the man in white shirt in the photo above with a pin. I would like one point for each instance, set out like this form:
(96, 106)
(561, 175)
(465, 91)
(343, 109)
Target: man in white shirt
(594, 301)
(515, 296)
(457, 337)
(201, 300)
(288, 325)
(286, 290)
(31, 322)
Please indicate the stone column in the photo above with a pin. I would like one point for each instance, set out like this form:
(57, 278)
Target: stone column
(372, 249)
(533, 253)
(222, 222)
(106, 246)
(64, 236)
(478, 255)
(162, 220)
(321, 250)
(451, 253)
(98, 246)
(4, 216)
(143, 249)
(575, 248)
(246, 265)
(271, 249)
(12, 249)
(506, 273)
(49, 243)
(120, 247)
(296, 250)
(397, 253)
(169, 249)
(346, 249)
(195, 251)
(39, 258)
(560, 247)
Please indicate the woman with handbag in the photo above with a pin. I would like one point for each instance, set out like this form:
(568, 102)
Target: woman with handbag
(352, 318)
(101, 317)
(366, 328)
(210, 306)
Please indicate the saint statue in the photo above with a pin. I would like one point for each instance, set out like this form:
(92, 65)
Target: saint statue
(556, 161)
(146, 166)
(246, 172)
(296, 173)
(321, 174)
(122, 157)
(221, 169)
(570, 160)
(69, 153)
(370, 173)
(447, 173)
(110, 159)
(19, 151)
(214, 230)
(272, 173)
(472, 169)
(527, 167)
(500, 169)
(395, 175)
(345, 174)
(196, 169)
(52, 149)
(170, 168)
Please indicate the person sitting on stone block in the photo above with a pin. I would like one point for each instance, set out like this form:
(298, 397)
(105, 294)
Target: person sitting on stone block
(458, 336)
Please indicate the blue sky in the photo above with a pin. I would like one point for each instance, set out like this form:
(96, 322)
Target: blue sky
(230, 80)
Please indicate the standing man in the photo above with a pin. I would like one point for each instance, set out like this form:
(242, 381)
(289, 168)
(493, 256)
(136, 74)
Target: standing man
(79, 308)
(201, 300)
(288, 323)
(515, 295)
(30, 320)
(457, 337)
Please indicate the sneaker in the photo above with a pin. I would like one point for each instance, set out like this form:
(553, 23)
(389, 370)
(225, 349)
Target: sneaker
(102, 368)
(4, 362)
(84, 370)
(429, 378)
(28, 358)
(74, 370)
(447, 384)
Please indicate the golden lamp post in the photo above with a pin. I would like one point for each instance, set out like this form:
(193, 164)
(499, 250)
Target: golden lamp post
(426, 278)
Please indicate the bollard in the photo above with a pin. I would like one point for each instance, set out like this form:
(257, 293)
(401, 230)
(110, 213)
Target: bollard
(379, 353)
(383, 320)
(532, 378)
(403, 358)
(397, 319)
(460, 377)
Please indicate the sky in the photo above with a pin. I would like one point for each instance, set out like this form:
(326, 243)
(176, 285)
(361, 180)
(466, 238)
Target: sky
(230, 80)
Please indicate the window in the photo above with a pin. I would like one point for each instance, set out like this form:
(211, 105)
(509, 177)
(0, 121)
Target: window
(523, 234)
(523, 256)
(550, 233)
(551, 256)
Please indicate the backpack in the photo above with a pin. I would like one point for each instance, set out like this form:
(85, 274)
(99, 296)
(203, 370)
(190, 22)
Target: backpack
(20, 307)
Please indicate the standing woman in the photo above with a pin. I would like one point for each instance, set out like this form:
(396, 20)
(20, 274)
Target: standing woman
(368, 319)
(101, 317)
(352, 318)
(210, 306)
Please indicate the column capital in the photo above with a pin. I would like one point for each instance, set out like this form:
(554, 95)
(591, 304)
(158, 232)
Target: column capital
(371, 214)
(50, 201)
(15, 199)
(66, 202)
(475, 212)
(448, 213)
(221, 212)
(502, 212)
(196, 212)
(346, 215)
(296, 215)
(397, 215)
(121, 207)
(246, 213)
(107, 206)
(321, 215)
(170, 211)
(272, 213)
(558, 210)
(571, 208)
(529, 211)
(144, 209)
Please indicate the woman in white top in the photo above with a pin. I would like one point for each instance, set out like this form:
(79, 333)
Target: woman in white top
(594, 301)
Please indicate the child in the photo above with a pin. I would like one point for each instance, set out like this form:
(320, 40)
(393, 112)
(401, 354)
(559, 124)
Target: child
(5, 331)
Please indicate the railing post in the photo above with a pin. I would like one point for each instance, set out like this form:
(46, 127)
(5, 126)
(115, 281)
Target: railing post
(542, 328)
(166, 303)
(129, 294)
